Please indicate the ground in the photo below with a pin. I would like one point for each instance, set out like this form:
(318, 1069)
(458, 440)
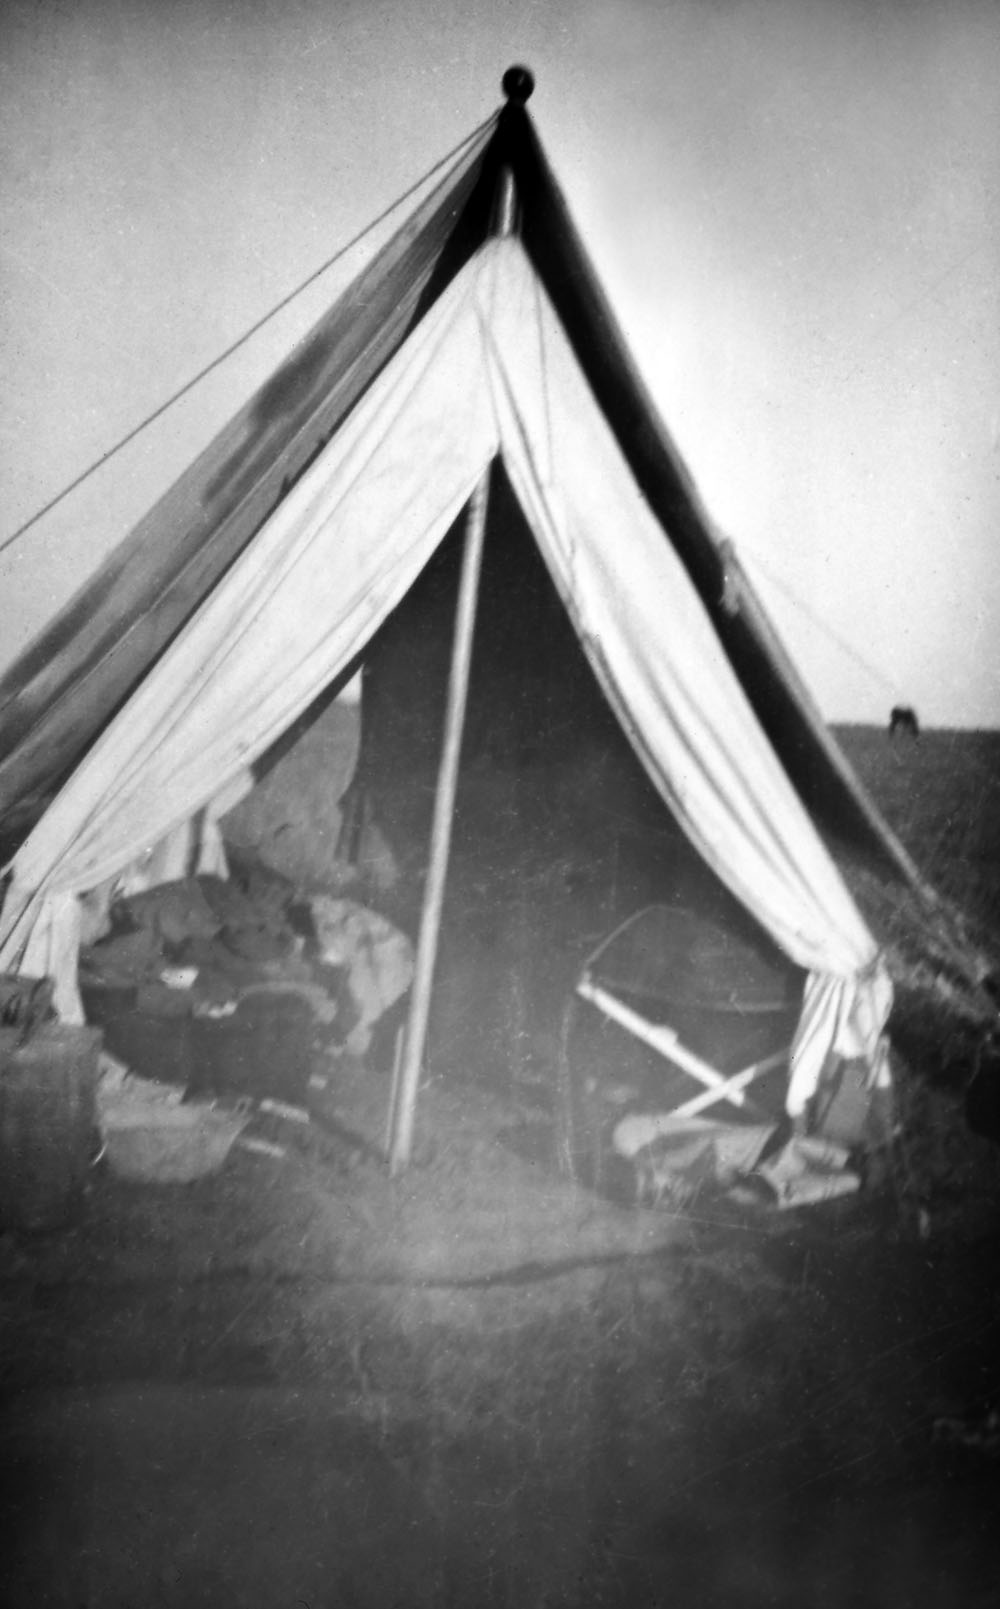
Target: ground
(303, 1382)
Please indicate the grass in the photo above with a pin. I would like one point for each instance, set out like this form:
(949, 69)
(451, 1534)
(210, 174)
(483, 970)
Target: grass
(941, 796)
(593, 1406)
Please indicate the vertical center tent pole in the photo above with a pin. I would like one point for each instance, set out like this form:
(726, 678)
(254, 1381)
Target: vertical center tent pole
(402, 1118)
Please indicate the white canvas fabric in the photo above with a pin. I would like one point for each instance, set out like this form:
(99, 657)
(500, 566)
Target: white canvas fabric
(195, 847)
(659, 662)
(488, 370)
(338, 554)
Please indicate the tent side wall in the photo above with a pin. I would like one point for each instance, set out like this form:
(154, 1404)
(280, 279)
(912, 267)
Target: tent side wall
(820, 773)
(60, 694)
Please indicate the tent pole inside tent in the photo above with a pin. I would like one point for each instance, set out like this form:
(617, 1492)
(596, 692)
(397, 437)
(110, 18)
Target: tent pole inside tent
(444, 805)
(402, 1120)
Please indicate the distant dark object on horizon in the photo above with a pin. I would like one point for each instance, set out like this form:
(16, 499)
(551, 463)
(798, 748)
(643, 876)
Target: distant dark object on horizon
(903, 719)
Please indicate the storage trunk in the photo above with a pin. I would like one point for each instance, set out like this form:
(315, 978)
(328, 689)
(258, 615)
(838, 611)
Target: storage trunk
(149, 1045)
(47, 1123)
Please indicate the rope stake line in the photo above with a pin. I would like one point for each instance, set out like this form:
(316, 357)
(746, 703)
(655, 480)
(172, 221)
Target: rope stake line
(453, 155)
(818, 621)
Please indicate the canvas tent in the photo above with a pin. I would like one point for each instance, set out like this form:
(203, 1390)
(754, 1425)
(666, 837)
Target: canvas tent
(262, 575)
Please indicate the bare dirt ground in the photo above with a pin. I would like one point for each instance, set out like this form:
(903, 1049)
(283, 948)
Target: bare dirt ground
(301, 1382)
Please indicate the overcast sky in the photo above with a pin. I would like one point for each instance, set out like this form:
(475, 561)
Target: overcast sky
(792, 203)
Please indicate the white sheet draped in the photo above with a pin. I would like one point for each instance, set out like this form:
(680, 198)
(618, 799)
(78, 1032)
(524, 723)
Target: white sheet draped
(488, 370)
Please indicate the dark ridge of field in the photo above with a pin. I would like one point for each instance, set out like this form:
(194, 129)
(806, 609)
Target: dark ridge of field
(300, 1382)
(941, 795)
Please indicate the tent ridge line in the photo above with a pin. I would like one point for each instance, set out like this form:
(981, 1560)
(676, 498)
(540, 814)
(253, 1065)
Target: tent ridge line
(457, 153)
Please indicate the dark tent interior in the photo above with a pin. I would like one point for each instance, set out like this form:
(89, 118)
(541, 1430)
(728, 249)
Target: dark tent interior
(535, 709)
(558, 833)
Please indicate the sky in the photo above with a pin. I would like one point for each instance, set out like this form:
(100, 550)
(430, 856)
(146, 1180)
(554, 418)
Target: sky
(794, 206)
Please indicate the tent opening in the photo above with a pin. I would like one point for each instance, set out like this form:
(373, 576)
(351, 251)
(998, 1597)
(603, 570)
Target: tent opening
(535, 712)
(558, 833)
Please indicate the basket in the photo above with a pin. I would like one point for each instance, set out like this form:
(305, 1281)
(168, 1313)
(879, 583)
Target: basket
(166, 1144)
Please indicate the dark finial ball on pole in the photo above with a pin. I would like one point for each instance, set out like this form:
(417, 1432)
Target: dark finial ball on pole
(517, 84)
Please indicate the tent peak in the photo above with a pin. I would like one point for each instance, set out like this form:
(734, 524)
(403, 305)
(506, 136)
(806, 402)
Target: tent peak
(518, 84)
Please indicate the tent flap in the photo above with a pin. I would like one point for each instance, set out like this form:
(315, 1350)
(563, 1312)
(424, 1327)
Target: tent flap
(59, 695)
(653, 648)
(288, 617)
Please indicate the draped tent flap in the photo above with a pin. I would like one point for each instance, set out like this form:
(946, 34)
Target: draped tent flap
(57, 697)
(293, 611)
(649, 638)
(653, 648)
